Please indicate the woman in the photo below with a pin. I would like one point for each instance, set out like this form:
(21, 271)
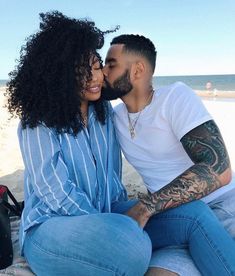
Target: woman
(71, 157)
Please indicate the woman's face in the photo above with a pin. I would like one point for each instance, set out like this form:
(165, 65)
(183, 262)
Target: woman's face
(92, 91)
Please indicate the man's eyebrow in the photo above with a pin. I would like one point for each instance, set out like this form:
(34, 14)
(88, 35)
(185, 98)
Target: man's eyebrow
(107, 60)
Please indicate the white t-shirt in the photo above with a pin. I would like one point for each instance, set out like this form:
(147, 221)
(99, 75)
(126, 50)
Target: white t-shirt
(156, 151)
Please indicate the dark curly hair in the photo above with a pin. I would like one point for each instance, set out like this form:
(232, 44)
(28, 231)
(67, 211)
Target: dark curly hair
(52, 71)
(139, 45)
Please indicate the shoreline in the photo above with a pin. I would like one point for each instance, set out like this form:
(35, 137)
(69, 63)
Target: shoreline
(215, 94)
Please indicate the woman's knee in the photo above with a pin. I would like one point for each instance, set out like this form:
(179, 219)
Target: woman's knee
(133, 246)
(112, 241)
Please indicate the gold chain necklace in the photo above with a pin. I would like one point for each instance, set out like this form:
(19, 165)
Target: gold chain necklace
(132, 123)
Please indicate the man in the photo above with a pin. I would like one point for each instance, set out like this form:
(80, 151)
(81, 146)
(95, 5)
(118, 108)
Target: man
(171, 140)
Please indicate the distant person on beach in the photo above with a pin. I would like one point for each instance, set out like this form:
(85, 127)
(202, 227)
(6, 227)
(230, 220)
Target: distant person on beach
(208, 86)
(174, 144)
(210, 90)
(73, 193)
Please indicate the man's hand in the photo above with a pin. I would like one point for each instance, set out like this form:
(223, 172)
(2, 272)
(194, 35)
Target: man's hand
(140, 213)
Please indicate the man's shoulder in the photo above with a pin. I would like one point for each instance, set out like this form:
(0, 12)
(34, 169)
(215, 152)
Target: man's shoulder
(176, 86)
(177, 90)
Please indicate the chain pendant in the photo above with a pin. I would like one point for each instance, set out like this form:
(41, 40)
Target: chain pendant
(133, 122)
(132, 132)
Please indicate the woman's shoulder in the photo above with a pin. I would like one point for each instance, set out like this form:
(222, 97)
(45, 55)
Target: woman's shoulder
(39, 130)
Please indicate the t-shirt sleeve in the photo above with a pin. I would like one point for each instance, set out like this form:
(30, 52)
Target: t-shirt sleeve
(185, 110)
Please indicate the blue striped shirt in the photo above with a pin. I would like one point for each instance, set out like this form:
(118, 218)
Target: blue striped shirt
(67, 175)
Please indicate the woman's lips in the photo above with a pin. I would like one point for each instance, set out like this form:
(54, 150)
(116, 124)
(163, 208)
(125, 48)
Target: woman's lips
(94, 89)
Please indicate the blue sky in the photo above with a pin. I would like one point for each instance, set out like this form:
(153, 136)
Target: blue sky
(192, 37)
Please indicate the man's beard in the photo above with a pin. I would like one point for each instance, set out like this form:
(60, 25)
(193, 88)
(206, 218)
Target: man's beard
(120, 88)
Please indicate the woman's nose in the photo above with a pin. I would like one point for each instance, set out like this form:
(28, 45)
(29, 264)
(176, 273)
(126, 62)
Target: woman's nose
(94, 76)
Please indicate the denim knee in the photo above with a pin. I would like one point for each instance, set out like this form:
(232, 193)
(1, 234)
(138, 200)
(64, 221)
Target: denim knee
(135, 248)
(99, 244)
(195, 210)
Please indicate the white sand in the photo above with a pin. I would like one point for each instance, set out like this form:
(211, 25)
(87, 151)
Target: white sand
(223, 113)
(11, 165)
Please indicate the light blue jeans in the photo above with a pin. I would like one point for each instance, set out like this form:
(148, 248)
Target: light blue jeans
(91, 245)
(113, 244)
(178, 258)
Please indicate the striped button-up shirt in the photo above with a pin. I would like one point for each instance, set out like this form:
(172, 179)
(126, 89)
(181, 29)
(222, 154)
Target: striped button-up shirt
(67, 175)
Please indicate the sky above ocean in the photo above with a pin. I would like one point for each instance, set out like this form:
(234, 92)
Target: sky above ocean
(193, 37)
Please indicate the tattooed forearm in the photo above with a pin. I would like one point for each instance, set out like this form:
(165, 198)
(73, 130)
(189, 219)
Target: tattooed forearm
(205, 146)
(195, 183)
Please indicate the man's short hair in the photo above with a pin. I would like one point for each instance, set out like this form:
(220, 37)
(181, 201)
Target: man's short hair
(139, 45)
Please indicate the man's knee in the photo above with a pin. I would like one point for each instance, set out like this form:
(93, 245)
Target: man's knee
(157, 271)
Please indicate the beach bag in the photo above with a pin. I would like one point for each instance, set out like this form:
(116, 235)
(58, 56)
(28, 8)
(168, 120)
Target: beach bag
(6, 211)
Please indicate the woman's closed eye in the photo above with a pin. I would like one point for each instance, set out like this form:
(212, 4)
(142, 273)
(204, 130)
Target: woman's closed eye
(97, 67)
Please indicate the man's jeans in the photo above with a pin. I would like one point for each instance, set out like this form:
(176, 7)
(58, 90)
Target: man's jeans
(179, 260)
(113, 244)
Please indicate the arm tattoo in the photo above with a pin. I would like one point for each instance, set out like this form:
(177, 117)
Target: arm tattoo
(204, 145)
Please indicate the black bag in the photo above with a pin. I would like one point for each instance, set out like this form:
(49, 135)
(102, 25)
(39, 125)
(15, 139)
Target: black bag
(7, 210)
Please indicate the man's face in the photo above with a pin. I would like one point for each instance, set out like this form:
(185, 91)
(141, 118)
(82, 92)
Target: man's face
(117, 74)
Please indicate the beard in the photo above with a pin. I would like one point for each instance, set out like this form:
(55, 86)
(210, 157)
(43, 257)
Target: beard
(121, 87)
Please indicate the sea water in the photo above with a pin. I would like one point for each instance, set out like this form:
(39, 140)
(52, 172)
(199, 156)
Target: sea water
(218, 82)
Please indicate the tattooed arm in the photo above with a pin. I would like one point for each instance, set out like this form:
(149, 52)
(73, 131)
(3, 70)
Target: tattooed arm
(211, 170)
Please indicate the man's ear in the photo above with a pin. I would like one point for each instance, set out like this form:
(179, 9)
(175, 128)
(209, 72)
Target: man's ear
(137, 70)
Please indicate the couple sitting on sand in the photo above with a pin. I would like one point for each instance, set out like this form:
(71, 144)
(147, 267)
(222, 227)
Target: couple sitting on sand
(77, 218)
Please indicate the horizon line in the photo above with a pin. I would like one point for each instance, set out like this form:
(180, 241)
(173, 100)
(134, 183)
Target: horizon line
(193, 75)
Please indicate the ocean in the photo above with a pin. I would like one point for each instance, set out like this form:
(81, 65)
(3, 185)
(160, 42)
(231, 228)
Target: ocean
(218, 82)
(3, 83)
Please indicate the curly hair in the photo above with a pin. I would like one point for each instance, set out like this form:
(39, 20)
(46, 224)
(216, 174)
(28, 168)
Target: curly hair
(139, 45)
(52, 71)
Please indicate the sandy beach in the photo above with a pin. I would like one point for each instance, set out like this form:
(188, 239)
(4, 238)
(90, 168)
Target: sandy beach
(11, 169)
